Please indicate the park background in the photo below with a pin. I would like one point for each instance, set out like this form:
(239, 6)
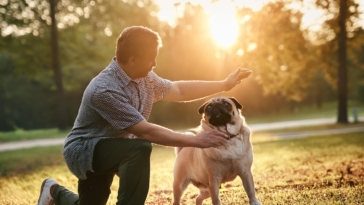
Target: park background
(291, 46)
(307, 58)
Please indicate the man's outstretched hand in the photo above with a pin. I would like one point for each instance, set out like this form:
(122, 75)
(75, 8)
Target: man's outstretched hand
(236, 77)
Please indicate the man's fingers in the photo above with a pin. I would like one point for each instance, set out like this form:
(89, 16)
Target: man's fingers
(244, 74)
(220, 134)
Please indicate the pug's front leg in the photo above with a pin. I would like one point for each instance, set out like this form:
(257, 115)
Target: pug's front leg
(248, 183)
(214, 183)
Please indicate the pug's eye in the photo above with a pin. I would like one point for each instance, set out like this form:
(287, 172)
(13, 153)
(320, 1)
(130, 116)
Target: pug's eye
(226, 104)
(208, 107)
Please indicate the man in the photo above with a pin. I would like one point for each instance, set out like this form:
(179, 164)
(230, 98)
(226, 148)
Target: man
(114, 109)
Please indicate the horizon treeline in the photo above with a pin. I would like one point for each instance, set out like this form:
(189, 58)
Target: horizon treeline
(291, 66)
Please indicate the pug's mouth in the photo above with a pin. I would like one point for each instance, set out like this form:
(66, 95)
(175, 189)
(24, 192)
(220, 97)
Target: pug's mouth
(223, 125)
(224, 129)
(229, 134)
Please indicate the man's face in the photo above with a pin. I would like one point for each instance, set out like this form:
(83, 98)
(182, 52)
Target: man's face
(145, 63)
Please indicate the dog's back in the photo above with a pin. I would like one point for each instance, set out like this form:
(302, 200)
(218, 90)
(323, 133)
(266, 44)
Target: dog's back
(189, 132)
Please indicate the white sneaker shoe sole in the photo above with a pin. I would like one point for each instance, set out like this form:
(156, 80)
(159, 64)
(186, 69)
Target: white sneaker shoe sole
(45, 197)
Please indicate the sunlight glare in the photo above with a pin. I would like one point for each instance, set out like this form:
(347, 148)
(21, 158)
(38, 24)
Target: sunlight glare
(224, 30)
(255, 5)
(240, 52)
(223, 23)
(252, 46)
(224, 26)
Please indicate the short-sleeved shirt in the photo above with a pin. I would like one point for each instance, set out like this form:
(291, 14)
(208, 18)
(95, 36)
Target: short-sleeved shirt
(111, 103)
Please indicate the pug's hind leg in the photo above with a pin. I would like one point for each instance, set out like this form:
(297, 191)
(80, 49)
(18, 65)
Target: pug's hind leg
(179, 186)
(204, 194)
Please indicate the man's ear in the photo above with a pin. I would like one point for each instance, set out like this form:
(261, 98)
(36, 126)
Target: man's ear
(132, 60)
(237, 104)
(202, 108)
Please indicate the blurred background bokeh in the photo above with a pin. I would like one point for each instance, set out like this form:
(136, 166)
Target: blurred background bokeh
(48, 56)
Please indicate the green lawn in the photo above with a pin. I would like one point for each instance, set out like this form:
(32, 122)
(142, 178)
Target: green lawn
(315, 170)
(20, 134)
(18, 162)
(305, 112)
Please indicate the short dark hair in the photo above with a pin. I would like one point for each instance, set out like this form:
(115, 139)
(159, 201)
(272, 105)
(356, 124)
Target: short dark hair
(134, 41)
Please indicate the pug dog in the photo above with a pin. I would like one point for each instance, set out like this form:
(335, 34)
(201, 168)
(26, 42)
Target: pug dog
(208, 168)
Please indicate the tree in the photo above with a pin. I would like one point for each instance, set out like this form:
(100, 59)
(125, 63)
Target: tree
(342, 82)
(24, 103)
(46, 19)
(275, 48)
(33, 17)
(342, 24)
(62, 110)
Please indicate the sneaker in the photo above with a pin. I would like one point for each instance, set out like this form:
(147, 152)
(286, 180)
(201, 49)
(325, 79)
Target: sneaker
(45, 197)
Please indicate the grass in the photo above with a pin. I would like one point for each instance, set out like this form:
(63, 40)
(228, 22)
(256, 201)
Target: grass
(270, 135)
(315, 170)
(18, 162)
(328, 110)
(20, 134)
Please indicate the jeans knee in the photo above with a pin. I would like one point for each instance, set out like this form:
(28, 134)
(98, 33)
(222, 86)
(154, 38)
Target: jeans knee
(145, 147)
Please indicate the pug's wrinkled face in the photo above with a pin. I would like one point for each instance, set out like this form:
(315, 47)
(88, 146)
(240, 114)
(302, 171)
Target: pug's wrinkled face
(223, 114)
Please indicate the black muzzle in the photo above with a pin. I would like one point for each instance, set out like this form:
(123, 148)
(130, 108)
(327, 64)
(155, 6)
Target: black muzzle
(219, 115)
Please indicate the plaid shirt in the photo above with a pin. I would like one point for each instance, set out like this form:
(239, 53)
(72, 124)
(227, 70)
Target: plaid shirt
(111, 103)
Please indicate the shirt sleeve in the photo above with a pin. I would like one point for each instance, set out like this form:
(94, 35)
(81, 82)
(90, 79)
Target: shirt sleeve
(115, 109)
(161, 86)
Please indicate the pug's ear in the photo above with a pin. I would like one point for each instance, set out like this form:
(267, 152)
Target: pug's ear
(237, 104)
(202, 108)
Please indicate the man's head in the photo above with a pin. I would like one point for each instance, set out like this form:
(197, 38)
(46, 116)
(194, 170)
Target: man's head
(136, 50)
(136, 41)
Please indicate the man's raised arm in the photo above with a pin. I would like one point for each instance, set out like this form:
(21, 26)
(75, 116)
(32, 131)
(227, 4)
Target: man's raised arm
(194, 90)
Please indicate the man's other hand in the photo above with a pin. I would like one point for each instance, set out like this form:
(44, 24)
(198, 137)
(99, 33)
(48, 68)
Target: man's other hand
(236, 77)
(210, 138)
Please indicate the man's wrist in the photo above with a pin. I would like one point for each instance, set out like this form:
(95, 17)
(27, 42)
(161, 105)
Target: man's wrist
(226, 86)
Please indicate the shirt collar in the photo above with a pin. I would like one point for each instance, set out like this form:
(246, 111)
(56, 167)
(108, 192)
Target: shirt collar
(124, 78)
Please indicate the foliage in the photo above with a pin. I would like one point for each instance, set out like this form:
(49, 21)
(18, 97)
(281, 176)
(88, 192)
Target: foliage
(24, 102)
(289, 70)
(328, 48)
(277, 51)
(31, 59)
(315, 170)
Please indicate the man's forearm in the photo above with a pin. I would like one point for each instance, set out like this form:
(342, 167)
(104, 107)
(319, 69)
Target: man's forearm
(163, 136)
(194, 90)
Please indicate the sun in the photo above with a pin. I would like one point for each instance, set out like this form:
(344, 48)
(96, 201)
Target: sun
(223, 23)
(224, 30)
(224, 26)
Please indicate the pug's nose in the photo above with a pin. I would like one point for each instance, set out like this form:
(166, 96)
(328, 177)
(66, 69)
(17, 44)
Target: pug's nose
(216, 112)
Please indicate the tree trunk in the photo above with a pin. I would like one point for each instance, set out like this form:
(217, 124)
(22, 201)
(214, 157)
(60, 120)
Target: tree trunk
(342, 70)
(61, 102)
